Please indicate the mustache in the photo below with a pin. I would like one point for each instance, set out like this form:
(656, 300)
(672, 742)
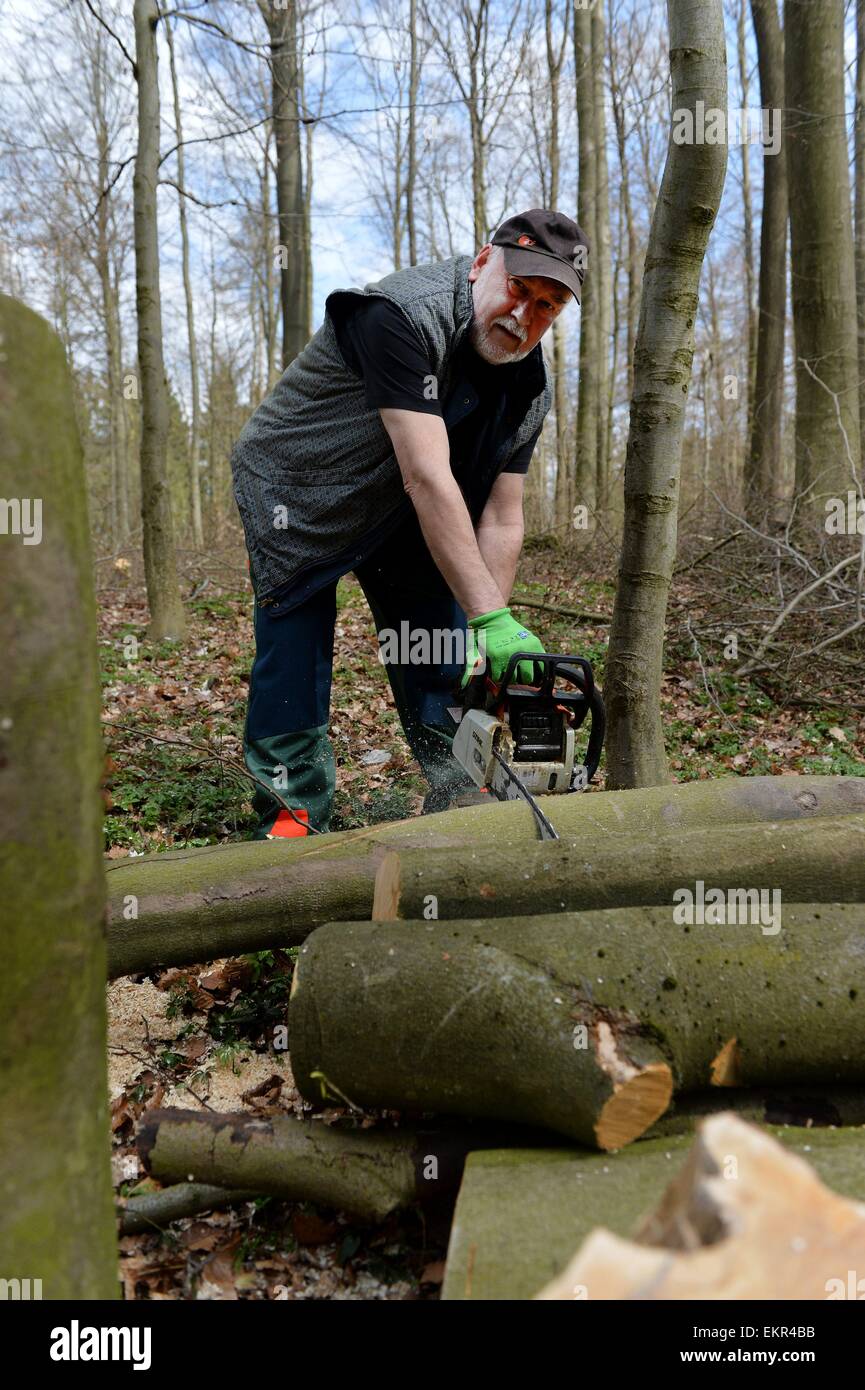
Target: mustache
(512, 327)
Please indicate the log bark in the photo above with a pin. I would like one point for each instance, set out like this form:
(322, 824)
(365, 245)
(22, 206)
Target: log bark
(200, 904)
(579, 1021)
(368, 1172)
(821, 861)
(56, 1212)
(521, 1213)
(774, 1232)
(152, 1211)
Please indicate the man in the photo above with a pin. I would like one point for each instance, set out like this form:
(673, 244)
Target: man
(396, 446)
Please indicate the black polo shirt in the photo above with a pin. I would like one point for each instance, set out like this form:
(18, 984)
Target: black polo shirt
(378, 343)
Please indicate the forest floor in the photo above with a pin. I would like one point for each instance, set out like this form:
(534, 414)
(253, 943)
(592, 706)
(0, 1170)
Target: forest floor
(173, 721)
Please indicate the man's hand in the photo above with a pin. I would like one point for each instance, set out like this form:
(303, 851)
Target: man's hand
(499, 635)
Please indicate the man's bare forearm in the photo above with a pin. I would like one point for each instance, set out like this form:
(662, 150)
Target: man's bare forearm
(423, 452)
(500, 547)
(450, 537)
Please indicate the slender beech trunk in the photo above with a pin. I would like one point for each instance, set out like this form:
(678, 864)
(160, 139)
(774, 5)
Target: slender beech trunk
(167, 618)
(107, 297)
(588, 401)
(555, 59)
(411, 153)
(603, 263)
(306, 228)
(763, 462)
(860, 207)
(195, 433)
(747, 221)
(269, 307)
(627, 214)
(56, 1215)
(821, 230)
(684, 215)
(282, 27)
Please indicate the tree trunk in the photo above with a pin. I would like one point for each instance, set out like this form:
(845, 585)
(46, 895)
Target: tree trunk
(588, 400)
(198, 904)
(555, 57)
(119, 530)
(579, 1022)
(56, 1218)
(822, 861)
(368, 1172)
(747, 223)
(602, 262)
(859, 176)
(628, 215)
(282, 27)
(684, 214)
(124, 480)
(823, 272)
(195, 432)
(167, 618)
(411, 152)
(762, 479)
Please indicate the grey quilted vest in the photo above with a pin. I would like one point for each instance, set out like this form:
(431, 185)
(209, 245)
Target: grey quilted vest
(314, 469)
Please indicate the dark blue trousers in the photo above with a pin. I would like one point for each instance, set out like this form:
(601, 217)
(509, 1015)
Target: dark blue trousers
(286, 743)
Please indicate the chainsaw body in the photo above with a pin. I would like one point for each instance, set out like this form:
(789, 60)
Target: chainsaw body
(520, 741)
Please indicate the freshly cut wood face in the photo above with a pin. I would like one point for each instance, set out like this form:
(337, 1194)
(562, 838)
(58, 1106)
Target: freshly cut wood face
(744, 1219)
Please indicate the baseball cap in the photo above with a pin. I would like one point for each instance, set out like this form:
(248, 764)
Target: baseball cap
(541, 242)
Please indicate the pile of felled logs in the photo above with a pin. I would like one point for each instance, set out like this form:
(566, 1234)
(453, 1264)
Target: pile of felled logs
(709, 935)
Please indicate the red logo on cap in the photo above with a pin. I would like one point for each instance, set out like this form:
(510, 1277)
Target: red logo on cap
(525, 240)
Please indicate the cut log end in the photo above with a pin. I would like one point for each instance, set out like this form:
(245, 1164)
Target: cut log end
(725, 1067)
(385, 903)
(635, 1105)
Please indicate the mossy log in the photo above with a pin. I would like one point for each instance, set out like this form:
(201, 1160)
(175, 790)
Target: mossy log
(521, 1213)
(199, 904)
(744, 1219)
(368, 1172)
(581, 1021)
(56, 1208)
(806, 861)
(152, 1211)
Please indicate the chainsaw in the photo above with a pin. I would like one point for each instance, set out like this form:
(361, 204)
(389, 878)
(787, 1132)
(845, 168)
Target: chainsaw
(520, 741)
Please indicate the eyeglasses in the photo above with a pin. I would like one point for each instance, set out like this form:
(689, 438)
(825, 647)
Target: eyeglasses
(548, 307)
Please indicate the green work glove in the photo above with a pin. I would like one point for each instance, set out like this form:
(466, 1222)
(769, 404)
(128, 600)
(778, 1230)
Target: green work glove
(498, 635)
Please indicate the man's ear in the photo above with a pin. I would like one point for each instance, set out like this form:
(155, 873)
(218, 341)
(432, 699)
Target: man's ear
(480, 261)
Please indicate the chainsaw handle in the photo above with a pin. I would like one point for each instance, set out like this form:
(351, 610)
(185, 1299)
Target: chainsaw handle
(596, 734)
(573, 668)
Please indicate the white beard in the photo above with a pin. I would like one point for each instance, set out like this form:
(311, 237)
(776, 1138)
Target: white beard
(490, 351)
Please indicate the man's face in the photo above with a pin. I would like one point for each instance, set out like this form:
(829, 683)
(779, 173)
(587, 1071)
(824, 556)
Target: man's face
(511, 312)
